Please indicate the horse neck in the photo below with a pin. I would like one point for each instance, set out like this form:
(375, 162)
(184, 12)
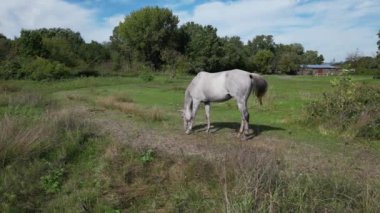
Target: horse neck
(188, 103)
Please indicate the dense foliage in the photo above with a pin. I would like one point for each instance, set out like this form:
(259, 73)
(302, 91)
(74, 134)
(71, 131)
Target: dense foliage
(362, 64)
(49, 54)
(150, 39)
(349, 108)
(148, 33)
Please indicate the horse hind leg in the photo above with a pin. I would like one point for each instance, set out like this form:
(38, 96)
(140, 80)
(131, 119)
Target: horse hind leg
(246, 128)
(244, 119)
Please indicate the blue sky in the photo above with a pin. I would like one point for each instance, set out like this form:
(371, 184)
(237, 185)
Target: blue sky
(335, 28)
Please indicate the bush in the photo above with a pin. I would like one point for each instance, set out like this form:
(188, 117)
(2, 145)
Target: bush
(349, 108)
(33, 68)
(40, 69)
(146, 76)
(87, 73)
(35, 155)
(11, 70)
(364, 71)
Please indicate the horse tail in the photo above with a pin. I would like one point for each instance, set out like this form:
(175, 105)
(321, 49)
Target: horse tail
(260, 86)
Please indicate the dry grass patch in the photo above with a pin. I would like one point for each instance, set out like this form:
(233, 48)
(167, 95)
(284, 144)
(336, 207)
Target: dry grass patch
(151, 114)
(4, 99)
(122, 97)
(6, 87)
(23, 98)
(76, 97)
(164, 184)
(27, 99)
(22, 138)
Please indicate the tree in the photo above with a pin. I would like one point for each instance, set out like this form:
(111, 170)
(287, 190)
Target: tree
(74, 39)
(312, 57)
(149, 31)
(288, 63)
(5, 47)
(94, 53)
(233, 53)
(353, 58)
(288, 58)
(64, 45)
(202, 46)
(297, 48)
(261, 42)
(120, 52)
(30, 44)
(61, 50)
(263, 61)
(57, 44)
(175, 62)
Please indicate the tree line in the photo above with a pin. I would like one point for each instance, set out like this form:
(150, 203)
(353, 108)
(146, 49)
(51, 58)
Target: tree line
(149, 39)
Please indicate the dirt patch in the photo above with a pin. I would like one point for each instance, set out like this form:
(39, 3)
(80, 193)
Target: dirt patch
(298, 157)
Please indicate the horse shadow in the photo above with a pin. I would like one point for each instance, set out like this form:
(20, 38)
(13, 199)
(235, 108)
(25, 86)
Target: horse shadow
(217, 126)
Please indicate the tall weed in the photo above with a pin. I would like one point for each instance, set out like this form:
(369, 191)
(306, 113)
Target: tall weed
(34, 154)
(350, 109)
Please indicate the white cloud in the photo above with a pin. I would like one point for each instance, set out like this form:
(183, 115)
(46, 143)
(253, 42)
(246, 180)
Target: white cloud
(24, 14)
(114, 20)
(178, 4)
(334, 28)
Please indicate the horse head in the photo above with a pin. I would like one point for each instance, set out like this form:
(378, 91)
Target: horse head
(187, 119)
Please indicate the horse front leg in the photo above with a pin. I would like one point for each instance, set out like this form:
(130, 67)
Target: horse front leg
(207, 110)
(241, 128)
(193, 113)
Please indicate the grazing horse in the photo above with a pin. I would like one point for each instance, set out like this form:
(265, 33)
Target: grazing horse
(218, 87)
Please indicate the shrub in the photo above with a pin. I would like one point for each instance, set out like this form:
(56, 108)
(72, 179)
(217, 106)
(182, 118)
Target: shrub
(40, 69)
(11, 70)
(146, 76)
(35, 154)
(52, 182)
(33, 68)
(8, 87)
(147, 156)
(349, 108)
(87, 73)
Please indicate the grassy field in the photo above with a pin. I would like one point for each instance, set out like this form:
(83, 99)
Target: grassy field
(115, 144)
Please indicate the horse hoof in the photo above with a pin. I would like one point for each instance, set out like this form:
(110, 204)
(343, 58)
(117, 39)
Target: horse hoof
(244, 138)
(187, 132)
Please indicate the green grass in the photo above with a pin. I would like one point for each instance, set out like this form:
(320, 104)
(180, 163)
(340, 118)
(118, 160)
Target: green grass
(281, 111)
(54, 158)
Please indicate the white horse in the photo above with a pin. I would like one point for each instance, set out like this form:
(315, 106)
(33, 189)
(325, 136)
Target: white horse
(218, 87)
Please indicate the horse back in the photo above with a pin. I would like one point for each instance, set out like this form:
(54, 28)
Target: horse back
(208, 87)
(239, 83)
